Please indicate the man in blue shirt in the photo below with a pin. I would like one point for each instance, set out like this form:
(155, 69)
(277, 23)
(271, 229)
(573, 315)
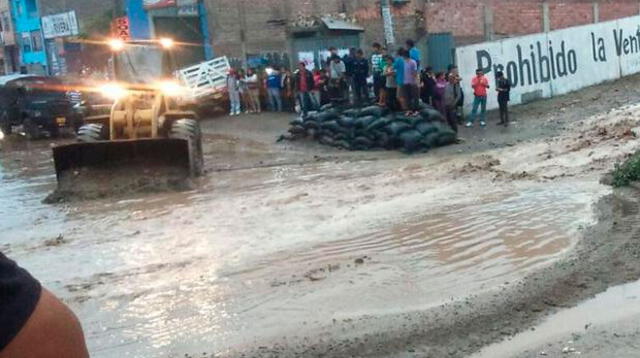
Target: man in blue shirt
(414, 53)
(398, 66)
(274, 84)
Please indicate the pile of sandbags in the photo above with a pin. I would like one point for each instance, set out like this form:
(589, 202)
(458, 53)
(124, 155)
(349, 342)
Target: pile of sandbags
(374, 127)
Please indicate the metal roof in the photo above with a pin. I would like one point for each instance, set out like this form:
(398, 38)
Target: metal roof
(6, 79)
(334, 24)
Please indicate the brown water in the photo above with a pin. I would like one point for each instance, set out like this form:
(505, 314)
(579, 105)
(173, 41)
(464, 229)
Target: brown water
(276, 251)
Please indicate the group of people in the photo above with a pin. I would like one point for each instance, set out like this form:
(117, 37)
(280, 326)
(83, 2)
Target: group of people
(399, 83)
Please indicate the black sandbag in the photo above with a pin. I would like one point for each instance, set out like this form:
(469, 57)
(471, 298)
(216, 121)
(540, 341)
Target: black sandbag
(342, 144)
(297, 129)
(382, 140)
(426, 128)
(411, 140)
(341, 136)
(331, 126)
(327, 116)
(431, 140)
(442, 127)
(311, 124)
(416, 120)
(327, 140)
(431, 114)
(396, 127)
(311, 117)
(353, 112)
(377, 124)
(402, 118)
(362, 143)
(370, 134)
(346, 121)
(446, 138)
(375, 111)
(364, 122)
(326, 107)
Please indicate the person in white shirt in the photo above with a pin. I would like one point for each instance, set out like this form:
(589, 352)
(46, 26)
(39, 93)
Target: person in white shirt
(233, 88)
(253, 88)
(336, 77)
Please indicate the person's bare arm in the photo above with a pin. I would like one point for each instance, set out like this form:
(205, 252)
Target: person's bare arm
(52, 331)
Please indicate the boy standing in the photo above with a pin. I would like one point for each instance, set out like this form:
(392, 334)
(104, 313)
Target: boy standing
(452, 95)
(336, 77)
(410, 81)
(360, 68)
(377, 67)
(503, 86)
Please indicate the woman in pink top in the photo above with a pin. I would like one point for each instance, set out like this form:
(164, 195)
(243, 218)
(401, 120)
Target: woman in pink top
(318, 82)
(438, 99)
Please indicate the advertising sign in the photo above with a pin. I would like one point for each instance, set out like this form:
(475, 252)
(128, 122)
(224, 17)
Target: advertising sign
(308, 59)
(557, 62)
(60, 25)
(155, 4)
(120, 28)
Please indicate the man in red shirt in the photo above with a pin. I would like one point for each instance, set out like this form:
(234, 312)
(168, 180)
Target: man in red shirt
(480, 84)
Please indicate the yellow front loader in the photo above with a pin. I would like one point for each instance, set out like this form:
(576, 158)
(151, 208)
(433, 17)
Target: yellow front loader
(146, 129)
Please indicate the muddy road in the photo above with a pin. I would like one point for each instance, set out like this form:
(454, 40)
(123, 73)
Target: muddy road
(295, 249)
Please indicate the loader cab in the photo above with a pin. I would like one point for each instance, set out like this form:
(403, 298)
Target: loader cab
(37, 103)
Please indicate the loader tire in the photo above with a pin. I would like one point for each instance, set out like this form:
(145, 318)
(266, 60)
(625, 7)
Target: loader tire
(90, 133)
(5, 124)
(31, 129)
(190, 129)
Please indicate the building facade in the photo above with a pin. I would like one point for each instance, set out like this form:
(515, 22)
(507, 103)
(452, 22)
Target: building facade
(185, 21)
(246, 28)
(28, 32)
(9, 54)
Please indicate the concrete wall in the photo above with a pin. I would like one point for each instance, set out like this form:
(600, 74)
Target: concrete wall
(557, 62)
(25, 22)
(466, 19)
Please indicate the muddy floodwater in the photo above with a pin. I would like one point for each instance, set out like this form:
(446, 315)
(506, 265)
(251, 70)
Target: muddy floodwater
(266, 249)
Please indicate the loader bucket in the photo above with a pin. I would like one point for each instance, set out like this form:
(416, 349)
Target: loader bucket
(99, 169)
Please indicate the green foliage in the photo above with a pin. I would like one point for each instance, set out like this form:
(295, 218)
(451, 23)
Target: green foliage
(98, 25)
(629, 171)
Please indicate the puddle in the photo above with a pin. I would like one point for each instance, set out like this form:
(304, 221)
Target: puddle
(615, 304)
(223, 266)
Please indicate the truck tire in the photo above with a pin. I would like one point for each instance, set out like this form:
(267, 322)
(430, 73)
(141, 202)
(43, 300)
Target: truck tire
(5, 124)
(54, 131)
(90, 133)
(31, 129)
(189, 129)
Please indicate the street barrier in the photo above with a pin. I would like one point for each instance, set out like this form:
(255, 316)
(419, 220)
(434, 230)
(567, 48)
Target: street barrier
(205, 78)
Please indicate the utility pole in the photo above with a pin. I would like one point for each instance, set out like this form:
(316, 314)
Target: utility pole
(243, 32)
(387, 19)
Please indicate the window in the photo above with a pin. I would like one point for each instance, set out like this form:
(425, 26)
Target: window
(26, 42)
(32, 8)
(18, 7)
(6, 21)
(36, 40)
